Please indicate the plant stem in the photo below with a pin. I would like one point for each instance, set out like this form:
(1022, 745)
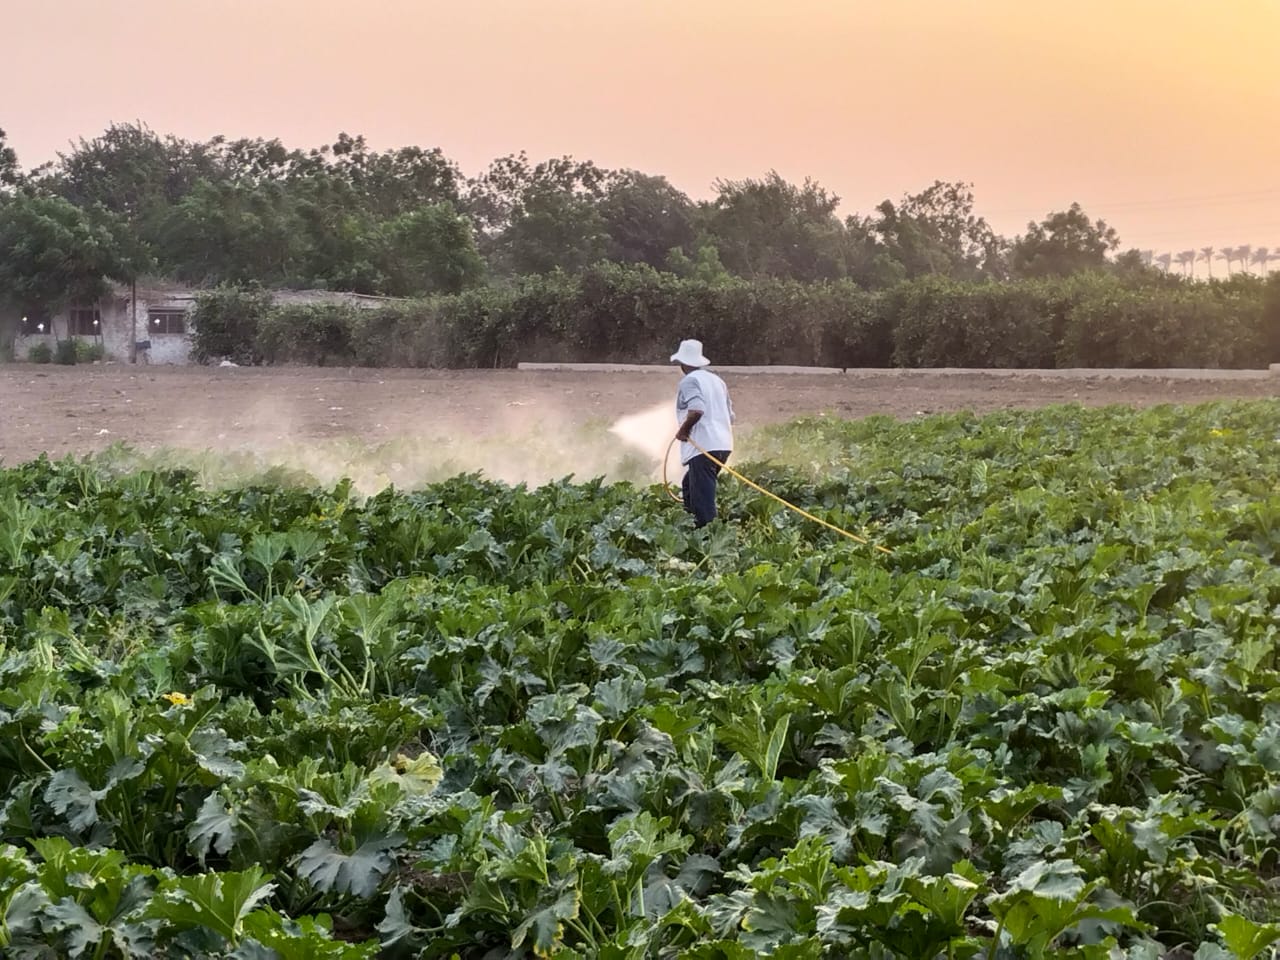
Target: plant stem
(995, 941)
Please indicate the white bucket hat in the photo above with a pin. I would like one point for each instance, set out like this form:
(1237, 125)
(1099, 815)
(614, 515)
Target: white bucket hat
(690, 354)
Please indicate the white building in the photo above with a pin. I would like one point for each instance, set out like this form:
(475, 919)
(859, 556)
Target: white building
(156, 328)
(158, 323)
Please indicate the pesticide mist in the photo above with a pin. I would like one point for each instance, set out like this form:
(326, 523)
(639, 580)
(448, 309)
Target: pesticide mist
(539, 449)
(649, 433)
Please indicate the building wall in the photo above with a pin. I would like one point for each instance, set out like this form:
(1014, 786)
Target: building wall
(117, 323)
(168, 348)
(117, 335)
(55, 324)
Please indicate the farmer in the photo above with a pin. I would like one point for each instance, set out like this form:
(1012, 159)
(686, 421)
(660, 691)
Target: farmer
(705, 416)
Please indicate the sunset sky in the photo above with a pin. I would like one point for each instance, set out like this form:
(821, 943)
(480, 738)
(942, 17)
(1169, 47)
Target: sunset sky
(1161, 117)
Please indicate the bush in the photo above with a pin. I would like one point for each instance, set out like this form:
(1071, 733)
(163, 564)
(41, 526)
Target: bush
(382, 337)
(65, 353)
(492, 328)
(40, 353)
(620, 313)
(1112, 324)
(414, 333)
(945, 323)
(225, 325)
(1269, 320)
(313, 334)
(87, 351)
(852, 327)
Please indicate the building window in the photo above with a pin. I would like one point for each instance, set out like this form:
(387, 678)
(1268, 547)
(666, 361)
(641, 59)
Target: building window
(166, 321)
(36, 325)
(84, 322)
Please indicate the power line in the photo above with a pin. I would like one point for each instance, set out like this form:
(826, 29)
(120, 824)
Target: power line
(1250, 196)
(1243, 197)
(1189, 231)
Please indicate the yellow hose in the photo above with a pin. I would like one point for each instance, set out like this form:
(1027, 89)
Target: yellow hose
(666, 485)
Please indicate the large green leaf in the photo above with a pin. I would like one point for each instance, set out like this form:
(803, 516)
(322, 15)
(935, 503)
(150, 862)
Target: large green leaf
(360, 872)
(543, 929)
(307, 938)
(219, 902)
(69, 794)
(22, 899)
(79, 930)
(1247, 938)
(214, 827)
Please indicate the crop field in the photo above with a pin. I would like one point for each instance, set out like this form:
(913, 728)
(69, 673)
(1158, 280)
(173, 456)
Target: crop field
(492, 721)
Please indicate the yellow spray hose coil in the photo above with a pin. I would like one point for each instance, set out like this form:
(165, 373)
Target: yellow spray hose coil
(666, 485)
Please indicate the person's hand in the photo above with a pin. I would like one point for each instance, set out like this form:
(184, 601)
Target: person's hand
(683, 434)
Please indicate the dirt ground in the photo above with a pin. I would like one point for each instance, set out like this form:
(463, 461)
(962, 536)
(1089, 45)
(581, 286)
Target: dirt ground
(78, 410)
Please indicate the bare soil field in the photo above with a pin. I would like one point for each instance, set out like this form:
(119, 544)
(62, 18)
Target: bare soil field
(79, 410)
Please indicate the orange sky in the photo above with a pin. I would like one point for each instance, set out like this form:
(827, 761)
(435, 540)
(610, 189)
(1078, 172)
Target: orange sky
(1162, 117)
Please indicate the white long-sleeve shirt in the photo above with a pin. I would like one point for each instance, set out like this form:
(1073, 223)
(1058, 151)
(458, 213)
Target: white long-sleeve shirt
(703, 390)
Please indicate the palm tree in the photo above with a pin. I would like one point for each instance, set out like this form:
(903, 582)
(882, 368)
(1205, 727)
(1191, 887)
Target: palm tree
(1147, 257)
(1260, 257)
(1164, 260)
(1206, 254)
(1228, 254)
(1243, 254)
(1186, 260)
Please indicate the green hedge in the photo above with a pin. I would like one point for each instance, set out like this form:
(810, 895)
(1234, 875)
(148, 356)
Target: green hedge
(636, 314)
(228, 324)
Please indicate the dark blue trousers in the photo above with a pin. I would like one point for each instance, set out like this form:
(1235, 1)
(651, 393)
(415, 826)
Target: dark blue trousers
(699, 487)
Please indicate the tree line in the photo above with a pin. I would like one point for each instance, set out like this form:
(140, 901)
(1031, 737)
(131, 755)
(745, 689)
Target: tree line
(408, 223)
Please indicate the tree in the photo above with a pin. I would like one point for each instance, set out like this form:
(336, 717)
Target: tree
(1165, 259)
(430, 250)
(704, 266)
(537, 218)
(226, 232)
(255, 161)
(384, 184)
(131, 172)
(936, 231)
(1206, 254)
(10, 172)
(1063, 243)
(553, 230)
(1261, 257)
(52, 253)
(772, 228)
(338, 241)
(252, 209)
(1186, 259)
(403, 180)
(644, 218)
(1229, 255)
(1244, 253)
(1134, 262)
(499, 195)
(869, 261)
